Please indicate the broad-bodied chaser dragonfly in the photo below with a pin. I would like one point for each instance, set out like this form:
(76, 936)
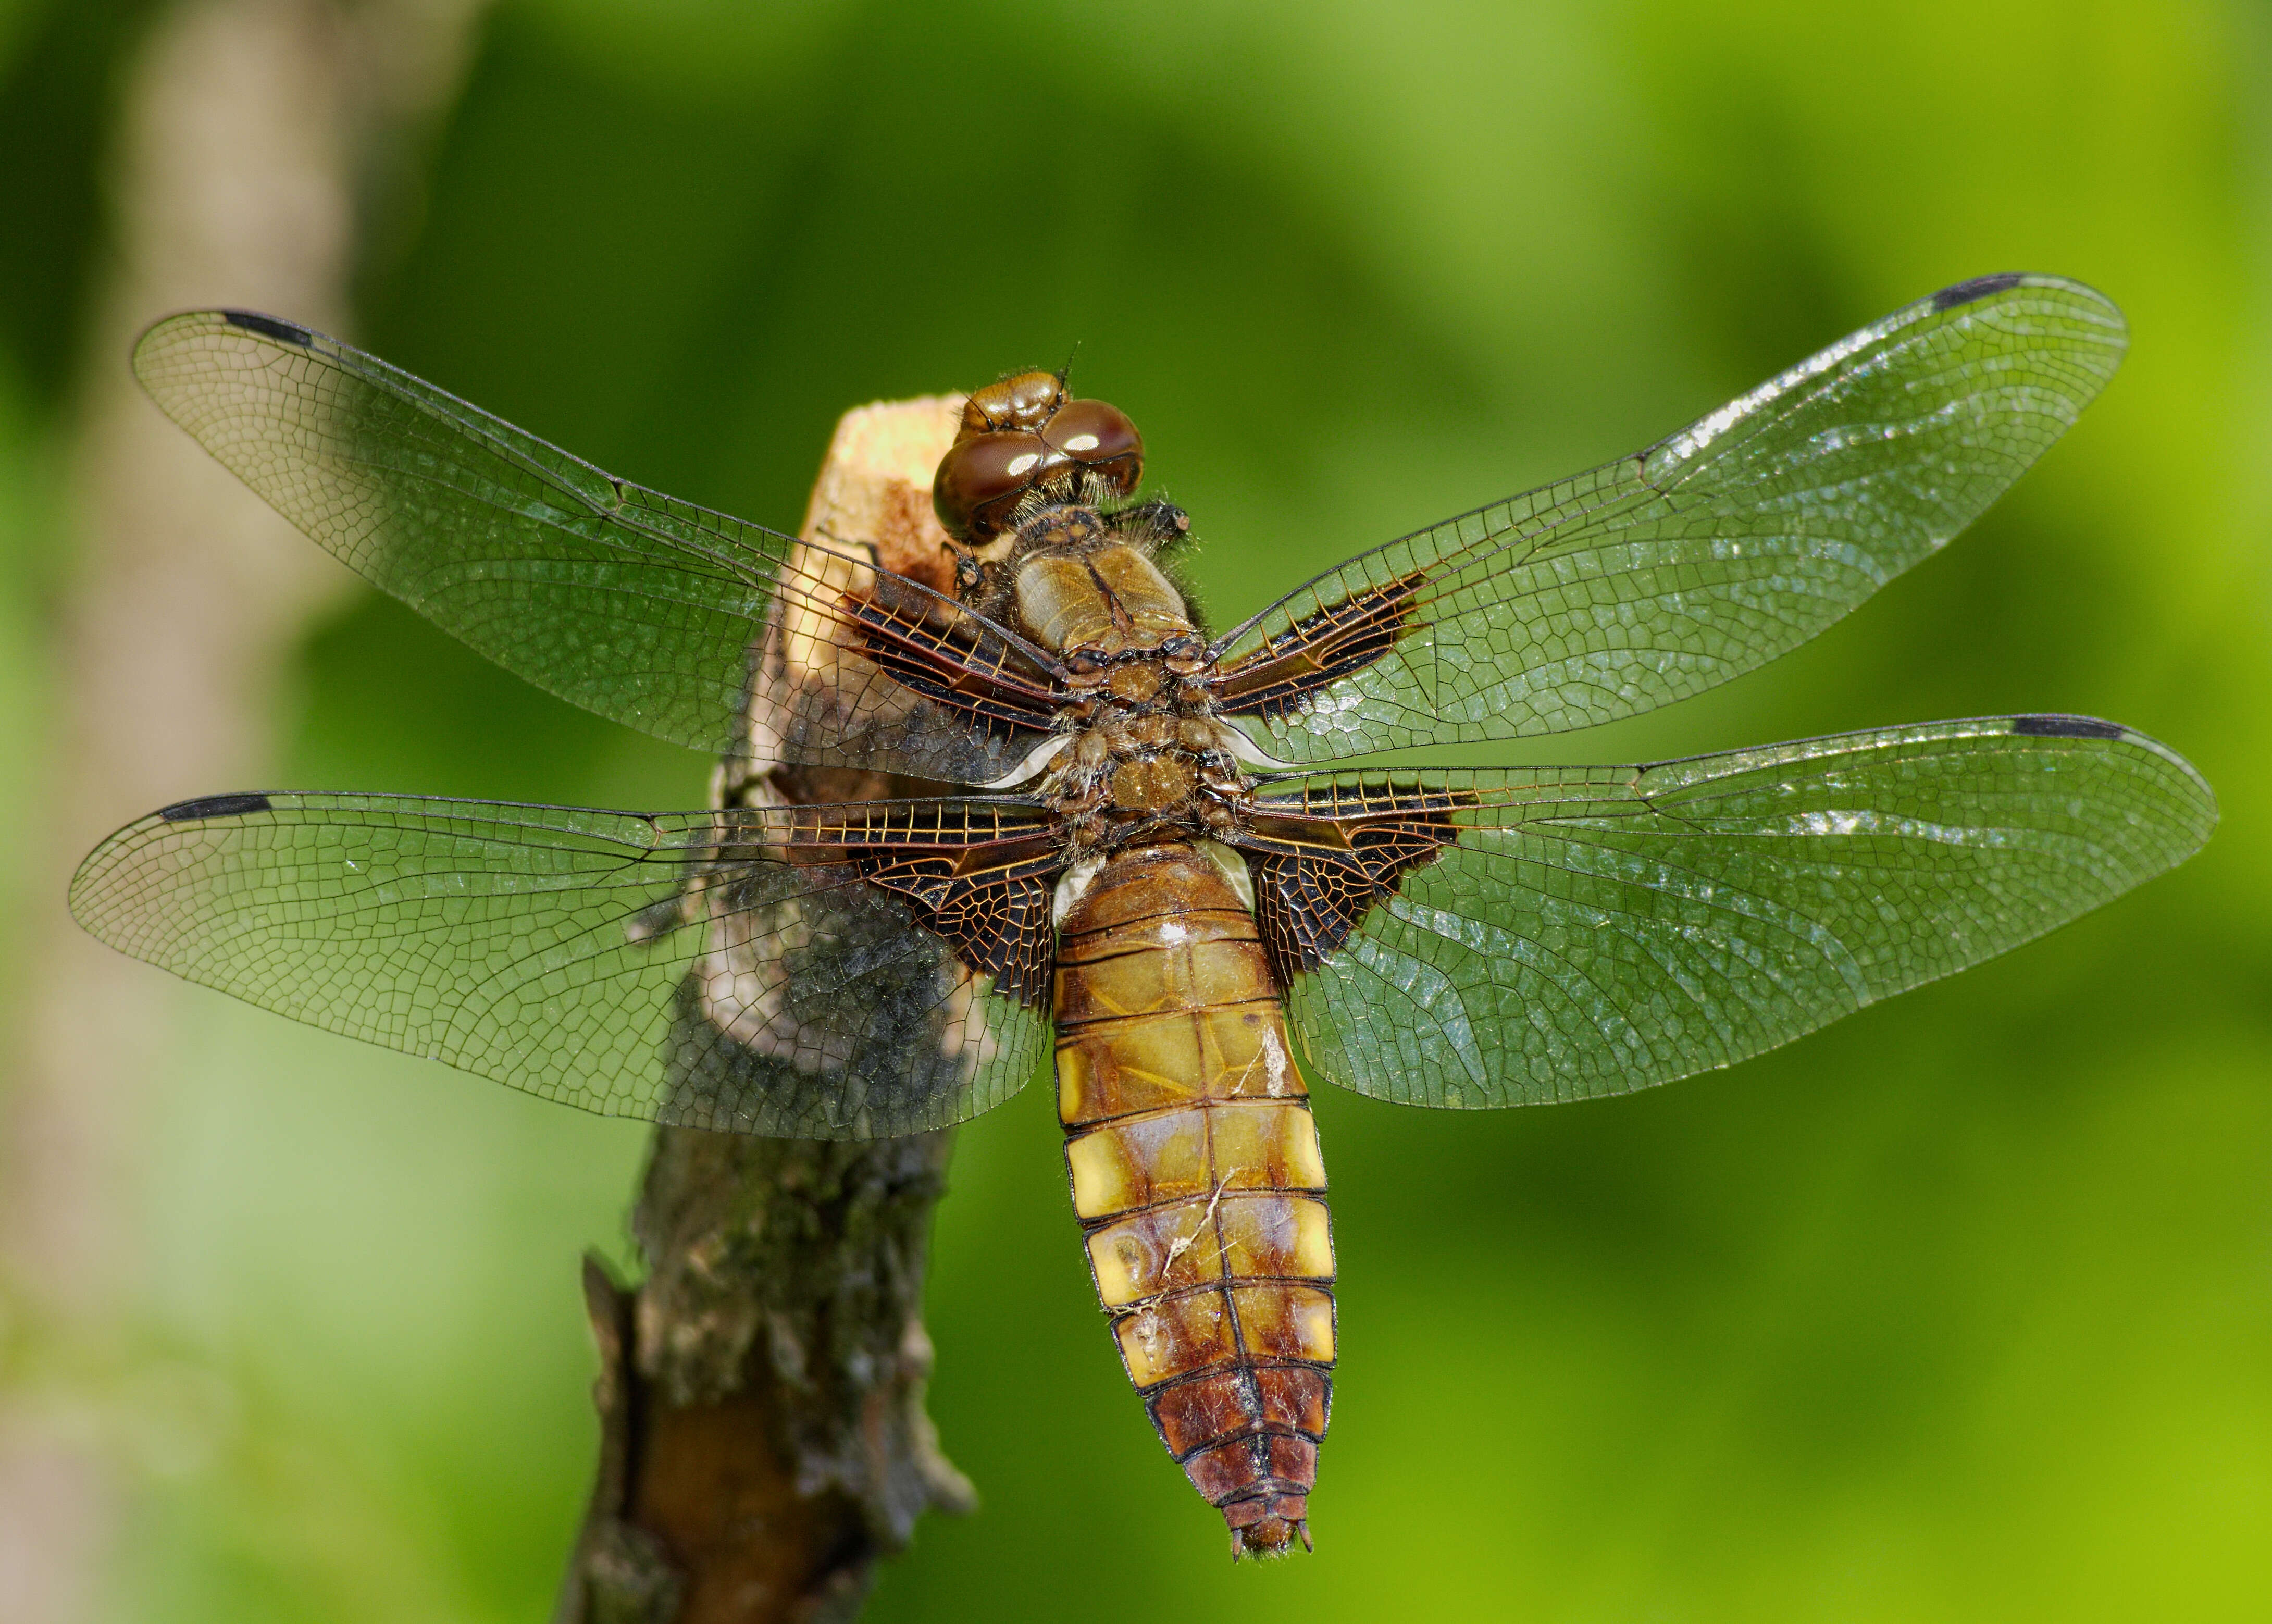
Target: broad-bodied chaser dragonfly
(1142, 842)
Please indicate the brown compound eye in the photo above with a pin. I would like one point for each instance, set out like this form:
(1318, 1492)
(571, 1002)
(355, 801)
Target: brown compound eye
(1024, 402)
(979, 480)
(1099, 436)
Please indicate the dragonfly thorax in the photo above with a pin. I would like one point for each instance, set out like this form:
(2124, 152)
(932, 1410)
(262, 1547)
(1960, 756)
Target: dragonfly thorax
(1100, 600)
(1130, 776)
(1148, 756)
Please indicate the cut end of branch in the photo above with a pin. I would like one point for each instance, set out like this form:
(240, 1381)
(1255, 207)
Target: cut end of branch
(765, 1441)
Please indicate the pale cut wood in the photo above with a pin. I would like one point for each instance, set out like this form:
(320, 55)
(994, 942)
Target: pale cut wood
(764, 1442)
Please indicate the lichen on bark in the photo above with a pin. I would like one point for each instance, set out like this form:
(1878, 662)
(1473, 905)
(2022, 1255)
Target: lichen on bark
(764, 1442)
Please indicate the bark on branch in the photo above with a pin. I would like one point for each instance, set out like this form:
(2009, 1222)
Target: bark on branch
(764, 1439)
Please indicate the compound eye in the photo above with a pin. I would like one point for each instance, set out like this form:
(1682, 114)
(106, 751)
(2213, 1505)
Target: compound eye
(979, 480)
(1098, 435)
(1024, 402)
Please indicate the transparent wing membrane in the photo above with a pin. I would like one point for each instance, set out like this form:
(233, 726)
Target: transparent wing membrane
(1587, 932)
(646, 609)
(729, 971)
(1660, 574)
(1450, 939)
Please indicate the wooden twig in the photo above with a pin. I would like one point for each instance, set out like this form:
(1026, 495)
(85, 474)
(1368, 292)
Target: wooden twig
(763, 1439)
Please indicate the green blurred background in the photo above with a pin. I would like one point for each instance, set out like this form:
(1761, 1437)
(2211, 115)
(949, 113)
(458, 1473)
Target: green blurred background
(1960, 1310)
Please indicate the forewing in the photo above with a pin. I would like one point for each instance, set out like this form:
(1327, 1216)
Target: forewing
(731, 970)
(1570, 932)
(1656, 576)
(645, 609)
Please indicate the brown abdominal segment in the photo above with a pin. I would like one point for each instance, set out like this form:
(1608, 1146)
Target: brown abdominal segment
(1197, 1182)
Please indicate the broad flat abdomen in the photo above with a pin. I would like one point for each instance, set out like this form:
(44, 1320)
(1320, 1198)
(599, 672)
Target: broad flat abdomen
(1197, 1178)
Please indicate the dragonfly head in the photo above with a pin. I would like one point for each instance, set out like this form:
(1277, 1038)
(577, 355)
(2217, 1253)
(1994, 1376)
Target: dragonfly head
(1025, 443)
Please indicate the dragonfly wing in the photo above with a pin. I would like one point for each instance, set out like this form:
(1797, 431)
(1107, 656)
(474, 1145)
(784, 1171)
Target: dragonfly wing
(812, 972)
(1493, 938)
(649, 610)
(1656, 576)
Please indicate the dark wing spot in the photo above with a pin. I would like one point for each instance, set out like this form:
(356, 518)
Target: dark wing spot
(269, 327)
(996, 920)
(2066, 726)
(1282, 676)
(214, 806)
(1316, 878)
(1979, 288)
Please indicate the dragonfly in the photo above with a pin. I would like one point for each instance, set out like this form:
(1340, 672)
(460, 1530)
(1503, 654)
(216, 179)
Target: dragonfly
(1162, 855)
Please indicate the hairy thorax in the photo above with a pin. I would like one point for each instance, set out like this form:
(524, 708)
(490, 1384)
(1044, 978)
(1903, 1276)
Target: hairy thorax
(1146, 756)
